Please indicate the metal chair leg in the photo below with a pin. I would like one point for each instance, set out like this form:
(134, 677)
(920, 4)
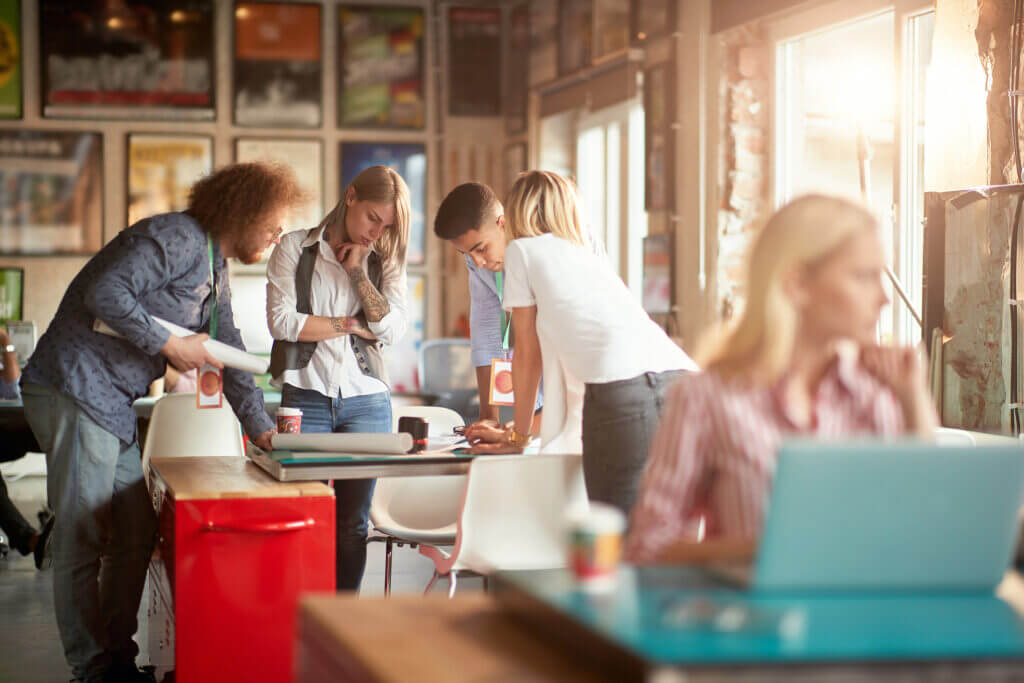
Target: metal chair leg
(387, 567)
(452, 579)
(433, 580)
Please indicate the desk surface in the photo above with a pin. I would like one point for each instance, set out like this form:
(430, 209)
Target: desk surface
(414, 639)
(227, 477)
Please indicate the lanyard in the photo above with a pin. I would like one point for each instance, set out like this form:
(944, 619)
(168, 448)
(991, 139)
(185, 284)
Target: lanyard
(506, 322)
(213, 289)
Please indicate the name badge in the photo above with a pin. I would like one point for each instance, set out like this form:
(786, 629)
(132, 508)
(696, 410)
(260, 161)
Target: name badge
(210, 387)
(501, 383)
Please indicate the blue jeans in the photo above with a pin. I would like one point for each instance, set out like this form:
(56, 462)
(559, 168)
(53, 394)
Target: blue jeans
(320, 414)
(103, 533)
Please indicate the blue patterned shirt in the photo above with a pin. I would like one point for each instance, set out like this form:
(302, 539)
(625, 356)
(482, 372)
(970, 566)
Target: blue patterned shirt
(157, 267)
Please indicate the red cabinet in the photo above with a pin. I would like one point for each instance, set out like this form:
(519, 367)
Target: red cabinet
(236, 549)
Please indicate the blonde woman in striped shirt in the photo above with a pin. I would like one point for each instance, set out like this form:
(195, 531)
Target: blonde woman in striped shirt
(801, 360)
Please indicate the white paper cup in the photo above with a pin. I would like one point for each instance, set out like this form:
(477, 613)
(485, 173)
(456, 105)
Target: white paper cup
(595, 545)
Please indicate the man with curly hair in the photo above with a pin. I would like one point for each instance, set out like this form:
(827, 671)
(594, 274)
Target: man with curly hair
(79, 386)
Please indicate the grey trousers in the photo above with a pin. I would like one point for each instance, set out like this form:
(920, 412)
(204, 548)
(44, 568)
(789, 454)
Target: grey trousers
(103, 532)
(619, 420)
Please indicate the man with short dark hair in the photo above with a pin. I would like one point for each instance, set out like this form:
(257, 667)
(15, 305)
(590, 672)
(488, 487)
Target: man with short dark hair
(79, 386)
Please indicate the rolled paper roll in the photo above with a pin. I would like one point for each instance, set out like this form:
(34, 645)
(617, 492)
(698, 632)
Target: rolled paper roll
(385, 444)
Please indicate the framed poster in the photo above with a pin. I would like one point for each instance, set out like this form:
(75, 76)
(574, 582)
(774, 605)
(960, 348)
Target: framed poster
(650, 19)
(161, 171)
(657, 282)
(474, 57)
(277, 67)
(12, 293)
(403, 356)
(127, 59)
(517, 71)
(575, 33)
(612, 27)
(51, 192)
(514, 162)
(306, 158)
(381, 82)
(659, 156)
(10, 59)
(410, 160)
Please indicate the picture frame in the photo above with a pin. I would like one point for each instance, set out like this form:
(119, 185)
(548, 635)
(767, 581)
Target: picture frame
(305, 156)
(51, 192)
(650, 20)
(381, 72)
(409, 159)
(659, 150)
(403, 357)
(278, 64)
(11, 85)
(517, 70)
(611, 27)
(657, 274)
(161, 168)
(130, 60)
(575, 35)
(474, 57)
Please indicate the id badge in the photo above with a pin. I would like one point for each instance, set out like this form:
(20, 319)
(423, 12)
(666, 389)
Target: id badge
(501, 383)
(210, 387)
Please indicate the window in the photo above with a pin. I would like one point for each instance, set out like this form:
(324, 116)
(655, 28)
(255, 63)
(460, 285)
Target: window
(849, 120)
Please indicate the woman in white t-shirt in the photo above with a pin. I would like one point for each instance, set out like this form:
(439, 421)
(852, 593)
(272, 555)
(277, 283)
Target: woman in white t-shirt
(606, 364)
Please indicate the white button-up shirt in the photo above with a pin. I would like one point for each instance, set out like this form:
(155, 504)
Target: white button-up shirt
(333, 369)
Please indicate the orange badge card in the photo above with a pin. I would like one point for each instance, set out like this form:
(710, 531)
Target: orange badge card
(501, 383)
(210, 389)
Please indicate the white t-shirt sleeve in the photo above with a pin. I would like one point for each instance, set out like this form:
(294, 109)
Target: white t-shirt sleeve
(518, 293)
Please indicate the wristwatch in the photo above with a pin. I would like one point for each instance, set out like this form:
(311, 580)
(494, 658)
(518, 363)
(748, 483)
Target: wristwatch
(514, 438)
(9, 348)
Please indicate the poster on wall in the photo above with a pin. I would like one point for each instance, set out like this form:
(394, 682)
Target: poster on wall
(403, 356)
(305, 157)
(474, 57)
(128, 59)
(51, 192)
(517, 70)
(410, 160)
(650, 19)
(162, 169)
(658, 152)
(10, 60)
(612, 27)
(277, 64)
(575, 31)
(657, 282)
(381, 81)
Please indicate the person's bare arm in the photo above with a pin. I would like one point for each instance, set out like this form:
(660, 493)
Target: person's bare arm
(318, 328)
(488, 412)
(11, 371)
(738, 550)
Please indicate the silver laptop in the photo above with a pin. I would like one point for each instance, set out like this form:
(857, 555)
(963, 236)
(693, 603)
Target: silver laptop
(874, 516)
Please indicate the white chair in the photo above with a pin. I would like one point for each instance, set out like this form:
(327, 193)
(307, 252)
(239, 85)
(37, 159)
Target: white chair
(177, 428)
(948, 436)
(417, 510)
(513, 516)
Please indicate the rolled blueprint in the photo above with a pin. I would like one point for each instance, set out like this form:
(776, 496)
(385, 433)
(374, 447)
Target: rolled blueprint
(228, 355)
(386, 444)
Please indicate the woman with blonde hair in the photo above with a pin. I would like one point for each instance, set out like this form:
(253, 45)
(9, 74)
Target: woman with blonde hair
(336, 294)
(801, 360)
(606, 364)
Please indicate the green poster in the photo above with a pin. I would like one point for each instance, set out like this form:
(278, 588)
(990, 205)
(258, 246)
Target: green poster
(10, 60)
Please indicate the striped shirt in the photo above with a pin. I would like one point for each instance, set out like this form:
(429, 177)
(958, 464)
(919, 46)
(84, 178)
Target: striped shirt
(714, 454)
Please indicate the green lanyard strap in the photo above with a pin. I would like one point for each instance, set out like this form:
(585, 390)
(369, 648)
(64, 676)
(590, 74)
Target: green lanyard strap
(506, 321)
(213, 289)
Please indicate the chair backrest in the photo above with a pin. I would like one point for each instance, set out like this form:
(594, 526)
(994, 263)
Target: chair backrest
(177, 428)
(947, 436)
(515, 512)
(446, 365)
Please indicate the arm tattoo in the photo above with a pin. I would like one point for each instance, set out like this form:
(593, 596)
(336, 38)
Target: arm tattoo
(375, 305)
(349, 325)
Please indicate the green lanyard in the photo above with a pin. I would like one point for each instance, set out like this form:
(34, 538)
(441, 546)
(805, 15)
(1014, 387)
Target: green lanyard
(506, 322)
(213, 289)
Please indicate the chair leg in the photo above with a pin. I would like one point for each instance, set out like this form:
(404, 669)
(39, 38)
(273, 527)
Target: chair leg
(433, 580)
(387, 567)
(453, 576)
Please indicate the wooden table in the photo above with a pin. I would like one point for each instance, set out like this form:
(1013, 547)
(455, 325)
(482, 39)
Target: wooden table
(416, 639)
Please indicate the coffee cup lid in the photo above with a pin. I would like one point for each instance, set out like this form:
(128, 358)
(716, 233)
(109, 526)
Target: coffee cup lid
(600, 518)
(288, 412)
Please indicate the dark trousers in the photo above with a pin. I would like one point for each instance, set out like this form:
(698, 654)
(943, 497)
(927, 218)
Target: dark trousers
(370, 413)
(14, 443)
(619, 420)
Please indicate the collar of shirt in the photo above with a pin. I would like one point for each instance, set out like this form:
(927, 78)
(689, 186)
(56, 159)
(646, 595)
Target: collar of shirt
(840, 377)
